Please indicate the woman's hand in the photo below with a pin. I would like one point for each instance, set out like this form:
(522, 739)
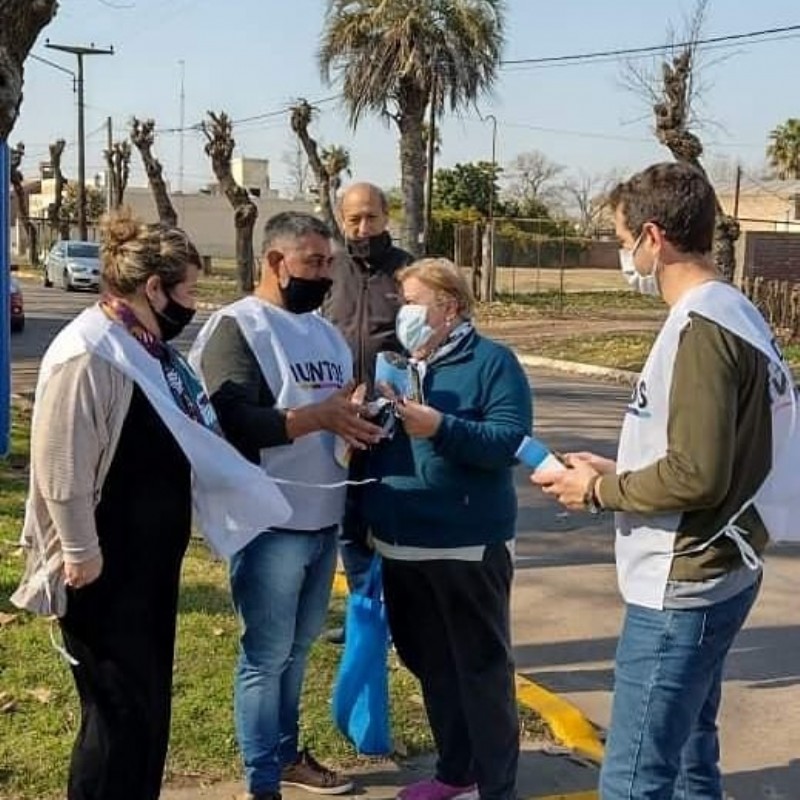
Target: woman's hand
(420, 421)
(76, 576)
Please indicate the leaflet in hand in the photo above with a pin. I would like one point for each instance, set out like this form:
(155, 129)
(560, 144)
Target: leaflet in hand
(537, 455)
(392, 369)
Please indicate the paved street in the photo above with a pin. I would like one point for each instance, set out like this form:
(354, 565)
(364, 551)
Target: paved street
(566, 610)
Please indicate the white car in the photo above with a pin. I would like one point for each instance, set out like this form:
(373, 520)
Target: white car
(73, 265)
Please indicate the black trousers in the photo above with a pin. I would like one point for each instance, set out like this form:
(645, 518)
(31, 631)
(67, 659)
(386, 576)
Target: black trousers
(450, 624)
(124, 680)
(121, 628)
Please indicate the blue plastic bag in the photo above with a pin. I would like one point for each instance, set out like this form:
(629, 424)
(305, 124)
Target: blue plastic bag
(361, 691)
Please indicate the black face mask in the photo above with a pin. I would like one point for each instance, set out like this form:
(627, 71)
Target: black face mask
(302, 295)
(369, 247)
(173, 318)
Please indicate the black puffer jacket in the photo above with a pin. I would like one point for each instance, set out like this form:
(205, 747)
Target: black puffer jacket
(363, 304)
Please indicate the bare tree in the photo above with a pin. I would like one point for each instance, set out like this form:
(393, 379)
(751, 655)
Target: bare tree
(297, 168)
(336, 161)
(143, 138)
(59, 226)
(118, 161)
(20, 24)
(23, 207)
(674, 96)
(218, 131)
(586, 196)
(532, 182)
(301, 115)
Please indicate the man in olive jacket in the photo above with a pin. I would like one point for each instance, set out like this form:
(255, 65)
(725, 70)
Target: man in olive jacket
(363, 304)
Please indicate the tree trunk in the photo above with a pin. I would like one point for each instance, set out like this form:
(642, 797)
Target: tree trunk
(118, 161)
(59, 226)
(477, 271)
(300, 119)
(410, 121)
(20, 24)
(672, 130)
(143, 137)
(23, 208)
(219, 147)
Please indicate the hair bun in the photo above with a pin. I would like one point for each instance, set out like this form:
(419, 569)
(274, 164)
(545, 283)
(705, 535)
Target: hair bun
(117, 229)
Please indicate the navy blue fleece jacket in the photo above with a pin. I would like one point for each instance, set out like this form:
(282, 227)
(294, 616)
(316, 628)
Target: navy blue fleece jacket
(457, 488)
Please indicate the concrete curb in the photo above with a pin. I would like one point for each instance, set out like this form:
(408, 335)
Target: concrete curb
(577, 368)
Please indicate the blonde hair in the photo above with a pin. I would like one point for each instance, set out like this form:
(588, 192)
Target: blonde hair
(132, 251)
(445, 278)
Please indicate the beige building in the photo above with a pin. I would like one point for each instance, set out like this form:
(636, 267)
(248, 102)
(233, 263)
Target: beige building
(206, 216)
(769, 205)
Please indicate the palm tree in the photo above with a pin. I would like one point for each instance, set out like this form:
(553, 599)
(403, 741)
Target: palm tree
(393, 56)
(784, 152)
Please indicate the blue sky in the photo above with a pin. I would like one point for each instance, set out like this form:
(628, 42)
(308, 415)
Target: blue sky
(249, 57)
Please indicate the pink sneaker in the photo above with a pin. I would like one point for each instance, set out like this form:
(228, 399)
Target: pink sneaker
(433, 789)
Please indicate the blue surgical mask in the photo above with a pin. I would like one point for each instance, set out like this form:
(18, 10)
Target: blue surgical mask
(644, 284)
(412, 327)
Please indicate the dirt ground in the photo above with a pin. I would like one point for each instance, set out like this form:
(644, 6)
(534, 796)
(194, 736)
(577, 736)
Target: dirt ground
(525, 329)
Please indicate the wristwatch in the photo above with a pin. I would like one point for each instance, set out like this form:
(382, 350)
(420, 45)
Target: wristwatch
(590, 498)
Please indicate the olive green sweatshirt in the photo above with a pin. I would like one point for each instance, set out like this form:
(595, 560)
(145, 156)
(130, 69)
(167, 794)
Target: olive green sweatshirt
(719, 451)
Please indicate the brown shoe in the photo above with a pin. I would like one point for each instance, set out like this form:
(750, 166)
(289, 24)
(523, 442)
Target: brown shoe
(307, 773)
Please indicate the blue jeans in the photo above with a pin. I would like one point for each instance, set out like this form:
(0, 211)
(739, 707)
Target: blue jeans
(663, 743)
(281, 586)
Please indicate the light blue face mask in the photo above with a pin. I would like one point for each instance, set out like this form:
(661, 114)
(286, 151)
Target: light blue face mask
(412, 328)
(644, 284)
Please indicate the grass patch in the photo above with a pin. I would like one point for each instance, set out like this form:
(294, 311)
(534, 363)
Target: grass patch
(38, 704)
(620, 350)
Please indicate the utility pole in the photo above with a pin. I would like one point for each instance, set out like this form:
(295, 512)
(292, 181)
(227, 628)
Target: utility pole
(736, 190)
(109, 176)
(80, 52)
(491, 283)
(182, 125)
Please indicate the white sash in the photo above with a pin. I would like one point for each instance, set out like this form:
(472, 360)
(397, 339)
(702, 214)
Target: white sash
(233, 499)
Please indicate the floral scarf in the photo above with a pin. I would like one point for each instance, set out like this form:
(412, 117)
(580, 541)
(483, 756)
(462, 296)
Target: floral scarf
(183, 383)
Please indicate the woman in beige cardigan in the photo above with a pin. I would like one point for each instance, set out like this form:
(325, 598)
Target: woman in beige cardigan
(109, 513)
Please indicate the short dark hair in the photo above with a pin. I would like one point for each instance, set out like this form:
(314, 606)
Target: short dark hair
(676, 197)
(292, 224)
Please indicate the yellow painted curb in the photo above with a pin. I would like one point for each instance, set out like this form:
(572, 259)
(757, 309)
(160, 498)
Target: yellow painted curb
(565, 720)
(340, 584)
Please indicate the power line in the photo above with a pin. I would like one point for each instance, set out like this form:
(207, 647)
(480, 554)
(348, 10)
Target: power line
(630, 51)
(767, 189)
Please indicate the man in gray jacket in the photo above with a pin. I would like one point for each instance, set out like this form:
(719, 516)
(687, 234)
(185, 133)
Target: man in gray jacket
(363, 304)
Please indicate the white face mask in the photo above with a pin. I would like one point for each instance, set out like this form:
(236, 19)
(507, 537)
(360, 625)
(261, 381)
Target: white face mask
(644, 284)
(412, 327)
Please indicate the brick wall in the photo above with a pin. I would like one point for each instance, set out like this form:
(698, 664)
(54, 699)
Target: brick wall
(774, 256)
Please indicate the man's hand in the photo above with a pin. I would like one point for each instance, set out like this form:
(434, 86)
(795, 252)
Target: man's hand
(420, 421)
(568, 486)
(76, 576)
(342, 413)
(605, 466)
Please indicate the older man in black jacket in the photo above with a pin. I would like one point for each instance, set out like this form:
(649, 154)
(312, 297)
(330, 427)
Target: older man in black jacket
(363, 304)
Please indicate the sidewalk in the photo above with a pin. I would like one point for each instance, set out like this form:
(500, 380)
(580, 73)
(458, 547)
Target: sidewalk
(541, 776)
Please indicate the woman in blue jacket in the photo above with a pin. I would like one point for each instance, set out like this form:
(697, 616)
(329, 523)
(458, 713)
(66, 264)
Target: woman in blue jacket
(443, 517)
